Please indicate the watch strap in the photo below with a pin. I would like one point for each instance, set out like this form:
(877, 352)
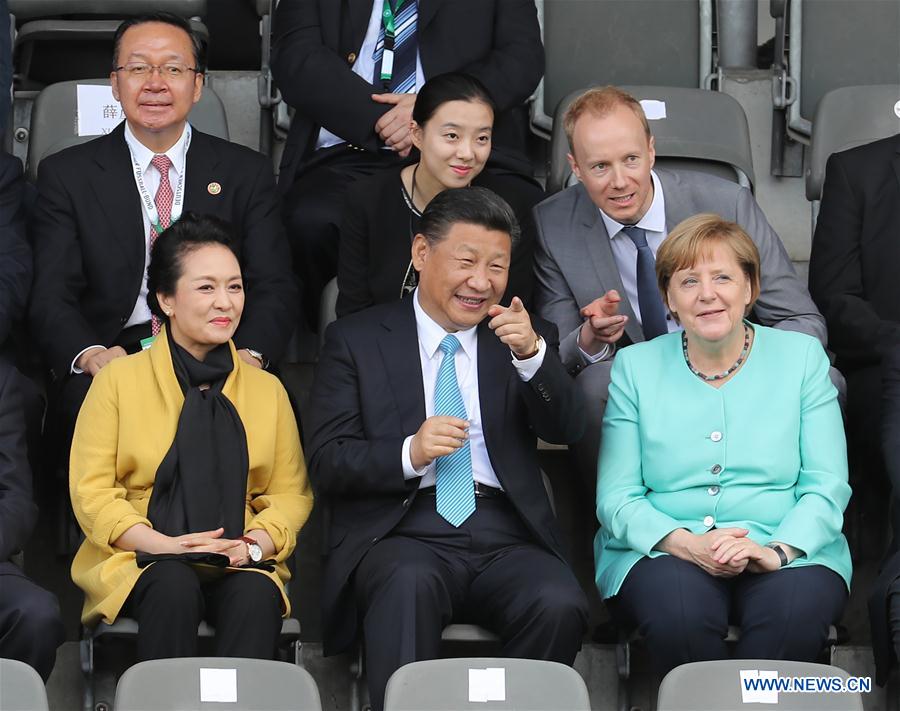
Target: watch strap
(782, 556)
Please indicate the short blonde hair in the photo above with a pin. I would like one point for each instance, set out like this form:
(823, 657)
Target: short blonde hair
(692, 240)
(600, 102)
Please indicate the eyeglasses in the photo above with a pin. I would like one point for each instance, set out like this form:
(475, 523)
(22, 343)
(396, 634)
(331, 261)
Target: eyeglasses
(167, 71)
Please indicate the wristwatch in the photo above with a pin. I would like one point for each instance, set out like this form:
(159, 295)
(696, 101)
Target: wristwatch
(254, 551)
(782, 556)
(260, 357)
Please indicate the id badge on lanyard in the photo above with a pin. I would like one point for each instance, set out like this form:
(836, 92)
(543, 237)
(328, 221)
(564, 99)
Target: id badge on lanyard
(388, 19)
(178, 198)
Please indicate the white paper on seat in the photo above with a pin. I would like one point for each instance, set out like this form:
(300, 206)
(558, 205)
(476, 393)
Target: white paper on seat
(487, 684)
(97, 110)
(654, 109)
(751, 695)
(218, 685)
(897, 109)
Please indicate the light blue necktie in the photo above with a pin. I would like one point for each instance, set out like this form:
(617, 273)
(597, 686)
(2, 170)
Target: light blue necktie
(454, 487)
(653, 313)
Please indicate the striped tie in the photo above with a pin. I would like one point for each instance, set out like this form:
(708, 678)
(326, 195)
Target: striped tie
(454, 487)
(163, 200)
(406, 46)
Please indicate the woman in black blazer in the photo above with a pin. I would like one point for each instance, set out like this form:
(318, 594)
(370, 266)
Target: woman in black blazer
(451, 129)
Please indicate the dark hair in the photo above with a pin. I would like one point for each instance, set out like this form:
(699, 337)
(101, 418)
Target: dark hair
(167, 18)
(453, 86)
(473, 206)
(181, 238)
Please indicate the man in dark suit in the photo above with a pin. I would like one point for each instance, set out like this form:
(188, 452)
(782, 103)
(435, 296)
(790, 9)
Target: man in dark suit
(399, 434)
(102, 203)
(348, 122)
(853, 279)
(30, 624)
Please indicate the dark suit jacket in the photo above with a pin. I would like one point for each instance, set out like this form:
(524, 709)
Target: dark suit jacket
(856, 250)
(315, 45)
(368, 397)
(88, 238)
(17, 510)
(376, 239)
(15, 253)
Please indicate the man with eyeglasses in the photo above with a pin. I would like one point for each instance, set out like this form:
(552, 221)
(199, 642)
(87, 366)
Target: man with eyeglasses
(103, 203)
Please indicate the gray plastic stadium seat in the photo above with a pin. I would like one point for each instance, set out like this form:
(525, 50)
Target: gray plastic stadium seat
(175, 685)
(703, 130)
(36, 9)
(837, 43)
(443, 685)
(127, 627)
(848, 117)
(712, 686)
(21, 688)
(597, 42)
(54, 124)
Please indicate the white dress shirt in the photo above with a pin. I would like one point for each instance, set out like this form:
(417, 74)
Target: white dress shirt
(143, 155)
(430, 335)
(364, 66)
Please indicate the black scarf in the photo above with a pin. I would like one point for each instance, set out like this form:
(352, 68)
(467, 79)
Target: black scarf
(201, 483)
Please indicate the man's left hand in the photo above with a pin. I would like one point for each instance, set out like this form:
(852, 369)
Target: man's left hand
(512, 325)
(249, 359)
(394, 127)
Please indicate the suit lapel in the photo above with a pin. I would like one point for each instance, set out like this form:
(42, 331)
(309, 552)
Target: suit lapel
(354, 25)
(118, 196)
(493, 399)
(398, 344)
(200, 174)
(595, 241)
(426, 12)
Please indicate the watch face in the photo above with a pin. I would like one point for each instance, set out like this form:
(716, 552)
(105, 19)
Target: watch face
(255, 552)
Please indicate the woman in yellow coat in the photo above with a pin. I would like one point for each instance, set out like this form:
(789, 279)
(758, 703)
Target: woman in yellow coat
(186, 471)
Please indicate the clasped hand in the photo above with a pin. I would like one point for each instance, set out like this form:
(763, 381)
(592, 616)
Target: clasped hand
(212, 542)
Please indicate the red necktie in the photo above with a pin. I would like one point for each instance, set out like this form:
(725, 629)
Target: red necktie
(163, 201)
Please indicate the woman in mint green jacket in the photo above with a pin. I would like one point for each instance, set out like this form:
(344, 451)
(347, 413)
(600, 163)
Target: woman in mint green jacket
(723, 470)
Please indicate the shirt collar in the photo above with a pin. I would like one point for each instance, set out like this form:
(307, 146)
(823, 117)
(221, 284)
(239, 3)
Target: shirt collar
(432, 333)
(654, 220)
(144, 155)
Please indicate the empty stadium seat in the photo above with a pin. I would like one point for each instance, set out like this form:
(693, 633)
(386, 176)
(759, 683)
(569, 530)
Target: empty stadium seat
(486, 683)
(127, 628)
(53, 121)
(712, 686)
(834, 44)
(200, 683)
(21, 688)
(86, 27)
(654, 42)
(703, 130)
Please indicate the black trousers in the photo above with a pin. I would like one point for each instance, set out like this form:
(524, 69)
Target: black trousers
(683, 612)
(30, 624)
(313, 208)
(487, 572)
(169, 601)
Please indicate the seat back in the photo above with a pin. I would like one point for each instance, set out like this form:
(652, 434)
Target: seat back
(702, 130)
(216, 683)
(54, 123)
(597, 42)
(839, 124)
(729, 684)
(36, 9)
(494, 683)
(839, 43)
(21, 688)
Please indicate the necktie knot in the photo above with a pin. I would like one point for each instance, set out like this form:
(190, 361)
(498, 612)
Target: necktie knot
(449, 345)
(162, 163)
(636, 235)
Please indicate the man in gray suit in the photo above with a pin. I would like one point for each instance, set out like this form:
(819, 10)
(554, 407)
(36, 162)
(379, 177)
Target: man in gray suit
(595, 242)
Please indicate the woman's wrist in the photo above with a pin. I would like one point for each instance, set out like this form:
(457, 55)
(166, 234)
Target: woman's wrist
(676, 543)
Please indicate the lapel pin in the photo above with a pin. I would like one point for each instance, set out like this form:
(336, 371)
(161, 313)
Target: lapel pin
(214, 188)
